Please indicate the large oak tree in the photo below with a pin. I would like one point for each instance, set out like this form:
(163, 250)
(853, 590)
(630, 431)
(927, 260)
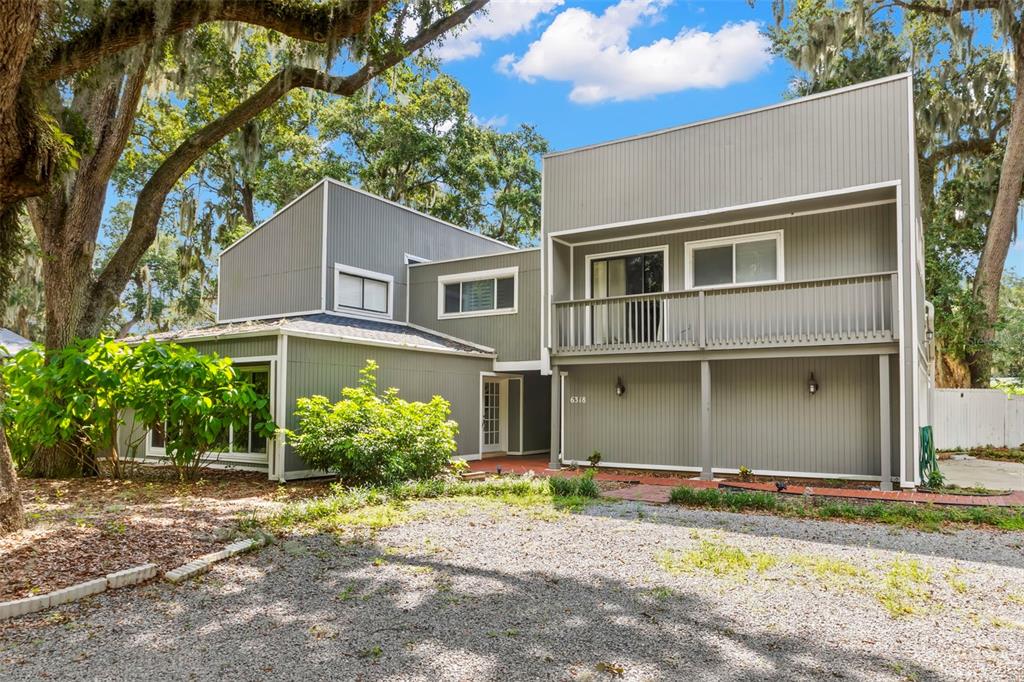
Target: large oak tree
(69, 91)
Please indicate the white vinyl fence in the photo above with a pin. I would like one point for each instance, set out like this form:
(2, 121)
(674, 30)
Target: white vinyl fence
(973, 417)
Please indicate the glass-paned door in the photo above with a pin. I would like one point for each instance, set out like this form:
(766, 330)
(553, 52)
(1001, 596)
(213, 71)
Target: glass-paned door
(627, 321)
(493, 418)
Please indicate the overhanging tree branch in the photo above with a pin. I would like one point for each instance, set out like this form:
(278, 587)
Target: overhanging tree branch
(149, 204)
(140, 22)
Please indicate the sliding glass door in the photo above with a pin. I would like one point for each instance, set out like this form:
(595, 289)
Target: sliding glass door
(625, 320)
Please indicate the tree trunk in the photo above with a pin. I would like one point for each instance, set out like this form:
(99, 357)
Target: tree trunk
(12, 516)
(23, 168)
(1000, 232)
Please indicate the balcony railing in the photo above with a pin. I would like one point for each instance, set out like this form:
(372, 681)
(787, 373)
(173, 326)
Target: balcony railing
(858, 309)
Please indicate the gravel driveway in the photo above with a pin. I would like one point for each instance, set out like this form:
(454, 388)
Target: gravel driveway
(480, 591)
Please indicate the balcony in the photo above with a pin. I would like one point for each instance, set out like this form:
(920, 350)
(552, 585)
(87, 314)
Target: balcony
(836, 310)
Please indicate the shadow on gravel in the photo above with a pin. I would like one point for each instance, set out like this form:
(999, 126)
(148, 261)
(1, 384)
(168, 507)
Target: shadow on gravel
(980, 545)
(356, 611)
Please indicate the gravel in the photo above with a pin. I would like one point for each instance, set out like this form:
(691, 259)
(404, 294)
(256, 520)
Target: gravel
(481, 591)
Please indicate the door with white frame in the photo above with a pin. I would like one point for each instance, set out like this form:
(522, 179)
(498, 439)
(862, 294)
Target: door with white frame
(494, 416)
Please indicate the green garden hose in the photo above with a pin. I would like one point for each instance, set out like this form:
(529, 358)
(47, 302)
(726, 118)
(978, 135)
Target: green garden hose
(929, 463)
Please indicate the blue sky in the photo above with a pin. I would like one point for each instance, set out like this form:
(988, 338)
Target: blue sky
(584, 72)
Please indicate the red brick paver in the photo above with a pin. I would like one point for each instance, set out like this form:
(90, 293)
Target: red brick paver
(537, 464)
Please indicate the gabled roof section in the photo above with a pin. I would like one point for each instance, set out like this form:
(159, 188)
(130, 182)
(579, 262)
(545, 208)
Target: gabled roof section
(333, 328)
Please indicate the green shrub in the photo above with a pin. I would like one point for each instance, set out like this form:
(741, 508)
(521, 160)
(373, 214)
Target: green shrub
(576, 486)
(375, 439)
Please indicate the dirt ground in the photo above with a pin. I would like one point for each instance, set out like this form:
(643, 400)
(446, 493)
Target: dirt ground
(85, 528)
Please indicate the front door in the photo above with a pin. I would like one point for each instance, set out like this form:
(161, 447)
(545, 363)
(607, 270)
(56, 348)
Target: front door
(494, 415)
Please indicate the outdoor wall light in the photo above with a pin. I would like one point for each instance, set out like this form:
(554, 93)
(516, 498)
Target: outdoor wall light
(812, 385)
(620, 389)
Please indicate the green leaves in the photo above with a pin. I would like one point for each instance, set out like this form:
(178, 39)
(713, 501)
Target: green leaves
(374, 439)
(85, 391)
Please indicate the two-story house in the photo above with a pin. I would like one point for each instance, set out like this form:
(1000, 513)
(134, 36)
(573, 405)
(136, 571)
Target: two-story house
(740, 292)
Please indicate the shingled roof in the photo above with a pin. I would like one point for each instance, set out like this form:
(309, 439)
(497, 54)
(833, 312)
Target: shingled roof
(342, 328)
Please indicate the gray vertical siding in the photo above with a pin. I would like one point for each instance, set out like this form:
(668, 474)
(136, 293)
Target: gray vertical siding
(856, 137)
(851, 242)
(276, 269)
(324, 367)
(762, 415)
(515, 337)
(367, 232)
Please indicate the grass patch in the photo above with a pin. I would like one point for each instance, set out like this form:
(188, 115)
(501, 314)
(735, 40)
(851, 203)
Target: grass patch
(717, 558)
(376, 508)
(905, 588)
(999, 454)
(921, 517)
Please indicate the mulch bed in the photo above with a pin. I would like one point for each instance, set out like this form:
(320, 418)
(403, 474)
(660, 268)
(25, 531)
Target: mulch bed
(85, 528)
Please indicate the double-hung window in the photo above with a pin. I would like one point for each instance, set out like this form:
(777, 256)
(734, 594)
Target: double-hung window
(735, 261)
(490, 292)
(362, 291)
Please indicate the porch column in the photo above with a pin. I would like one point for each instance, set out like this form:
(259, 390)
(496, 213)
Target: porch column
(705, 420)
(884, 422)
(556, 415)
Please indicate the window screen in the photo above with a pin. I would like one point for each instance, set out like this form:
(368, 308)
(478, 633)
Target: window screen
(742, 262)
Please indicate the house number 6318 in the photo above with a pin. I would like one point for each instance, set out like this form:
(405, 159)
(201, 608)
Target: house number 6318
(577, 399)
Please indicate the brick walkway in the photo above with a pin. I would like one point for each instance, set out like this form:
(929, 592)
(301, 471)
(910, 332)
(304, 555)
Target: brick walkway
(656, 488)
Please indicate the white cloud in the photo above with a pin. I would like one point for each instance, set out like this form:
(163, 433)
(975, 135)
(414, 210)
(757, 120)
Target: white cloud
(593, 53)
(503, 18)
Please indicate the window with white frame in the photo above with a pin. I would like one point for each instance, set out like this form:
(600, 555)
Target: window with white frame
(362, 291)
(735, 261)
(489, 292)
(241, 440)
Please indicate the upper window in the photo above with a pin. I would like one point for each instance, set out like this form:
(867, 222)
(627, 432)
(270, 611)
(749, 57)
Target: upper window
(734, 261)
(627, 274)
(491, 292)
(357, 290)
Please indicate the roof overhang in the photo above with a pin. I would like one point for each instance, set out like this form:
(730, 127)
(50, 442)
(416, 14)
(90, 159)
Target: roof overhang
(786, 207)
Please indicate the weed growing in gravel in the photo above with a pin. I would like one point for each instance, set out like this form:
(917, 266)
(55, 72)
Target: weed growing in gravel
(956, 583)
(905, 589)
(1015, 598)
(921, 517)
(717, 558)
(382, 507)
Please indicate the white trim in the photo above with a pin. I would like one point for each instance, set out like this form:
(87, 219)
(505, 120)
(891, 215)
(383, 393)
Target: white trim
(518, 366)
(309, 473)
(235, 466)
(561, 416)
(277, 213)
(475, 457)
(545, 352)
(738, 114)
(916, 253)
(725, 470)
(323, 257)
(410, 259)
(216, 316)
(900, 284)
(342, 269)
(524, 453)
(249, 359)
(794, 198)
(497, 254)
(502, 444)
(698, 244)
(477, 276)
(281, 416)
(272, 316)
(382, 344)
(419, 213)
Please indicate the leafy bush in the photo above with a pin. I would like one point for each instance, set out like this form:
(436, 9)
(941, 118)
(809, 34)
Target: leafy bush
(375, 439)
(78, 398)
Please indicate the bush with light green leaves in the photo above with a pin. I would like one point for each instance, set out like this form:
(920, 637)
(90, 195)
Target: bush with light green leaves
(372, 438)
(79, 397)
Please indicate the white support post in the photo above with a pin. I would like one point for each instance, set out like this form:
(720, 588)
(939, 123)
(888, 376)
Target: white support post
(556, 409)
(705, 420)
(884, 421)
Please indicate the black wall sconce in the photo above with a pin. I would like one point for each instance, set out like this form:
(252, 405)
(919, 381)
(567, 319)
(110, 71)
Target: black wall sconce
(620, 388)
(812, 385)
